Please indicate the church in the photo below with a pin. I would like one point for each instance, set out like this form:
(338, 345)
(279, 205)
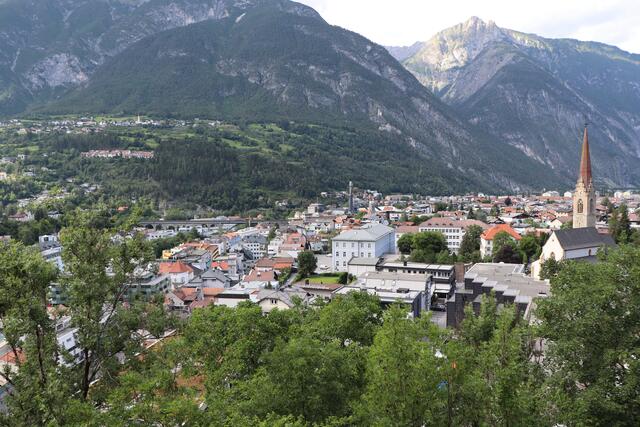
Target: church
(583, 241)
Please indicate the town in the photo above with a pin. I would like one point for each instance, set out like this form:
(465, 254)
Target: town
(312, 213)
(432, 255)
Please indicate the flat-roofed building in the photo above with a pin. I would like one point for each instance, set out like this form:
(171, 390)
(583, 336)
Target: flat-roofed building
(508, 283)
(412, 290)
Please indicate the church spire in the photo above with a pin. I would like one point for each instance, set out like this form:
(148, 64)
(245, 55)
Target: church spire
(584, 198)
(585, 161)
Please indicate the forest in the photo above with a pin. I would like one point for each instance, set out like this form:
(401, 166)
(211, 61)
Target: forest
(231, 167)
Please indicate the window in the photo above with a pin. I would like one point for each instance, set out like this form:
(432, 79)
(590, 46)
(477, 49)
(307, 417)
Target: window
(369, 245)
(580, 206)
(344, 254)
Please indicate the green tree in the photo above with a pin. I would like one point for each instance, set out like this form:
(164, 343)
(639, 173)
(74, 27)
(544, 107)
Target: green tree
(38, 390)
(470, 245)
(590, 325)
(309, 378)
(619, 225)
(550, 268)
(529, 246)
(354, 317)
(502, 239)
(508, 254)
(567, 225)
(405, 243)
(402, 374)
(431, 242)
(307, 263)
(99, 266)
(471, 214)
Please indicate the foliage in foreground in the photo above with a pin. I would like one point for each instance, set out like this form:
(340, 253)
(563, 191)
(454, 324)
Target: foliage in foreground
(342, 363)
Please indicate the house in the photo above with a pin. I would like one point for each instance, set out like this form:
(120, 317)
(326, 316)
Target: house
(255, 245)
(452, 229)
(147, 284)
(486, 238)
(234, 296)
(232, 264)
(293, 244)
(21, 217)
(179, 272)
(371, 240)
(323, 291)
(558, 222)
(211, 279)
(259, 279)
(180, 299)
(270, 299)
(579, 244)
(277, 264)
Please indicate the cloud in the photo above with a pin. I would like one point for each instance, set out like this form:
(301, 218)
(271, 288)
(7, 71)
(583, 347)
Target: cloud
(402, 22)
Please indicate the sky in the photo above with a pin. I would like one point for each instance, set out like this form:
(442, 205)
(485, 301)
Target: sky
(403, 22)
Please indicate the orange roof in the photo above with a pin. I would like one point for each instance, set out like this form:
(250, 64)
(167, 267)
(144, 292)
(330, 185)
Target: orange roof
(174, 268)
(222, 265)
(10, 357)
(282, 265)
(506, 228)
(211, 292)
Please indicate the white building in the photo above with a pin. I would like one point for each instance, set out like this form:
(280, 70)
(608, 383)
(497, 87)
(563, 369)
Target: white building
(486, 238)
(256, 245)
(372, 240)
(579, 244)
(453, 230)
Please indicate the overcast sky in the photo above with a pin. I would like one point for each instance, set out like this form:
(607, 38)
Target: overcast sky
(403, 22)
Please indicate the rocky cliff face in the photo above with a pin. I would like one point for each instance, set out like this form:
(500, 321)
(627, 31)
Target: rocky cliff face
(47, 46)
(535, 94)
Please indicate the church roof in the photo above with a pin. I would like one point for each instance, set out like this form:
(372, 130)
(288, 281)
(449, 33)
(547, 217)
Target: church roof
(585, 160)
(581, 238)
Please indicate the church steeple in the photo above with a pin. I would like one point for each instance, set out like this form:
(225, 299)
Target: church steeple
(584, 198)
(585, 161)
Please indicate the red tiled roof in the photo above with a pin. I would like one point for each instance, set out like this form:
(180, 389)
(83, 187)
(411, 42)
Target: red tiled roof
(490, 234)
(174, 268)
(222, 265)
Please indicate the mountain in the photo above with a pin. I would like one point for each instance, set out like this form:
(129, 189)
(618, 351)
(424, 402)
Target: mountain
(243, 60)
(535, 93)
(404, 52)
(49, 46)
(279, 60)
